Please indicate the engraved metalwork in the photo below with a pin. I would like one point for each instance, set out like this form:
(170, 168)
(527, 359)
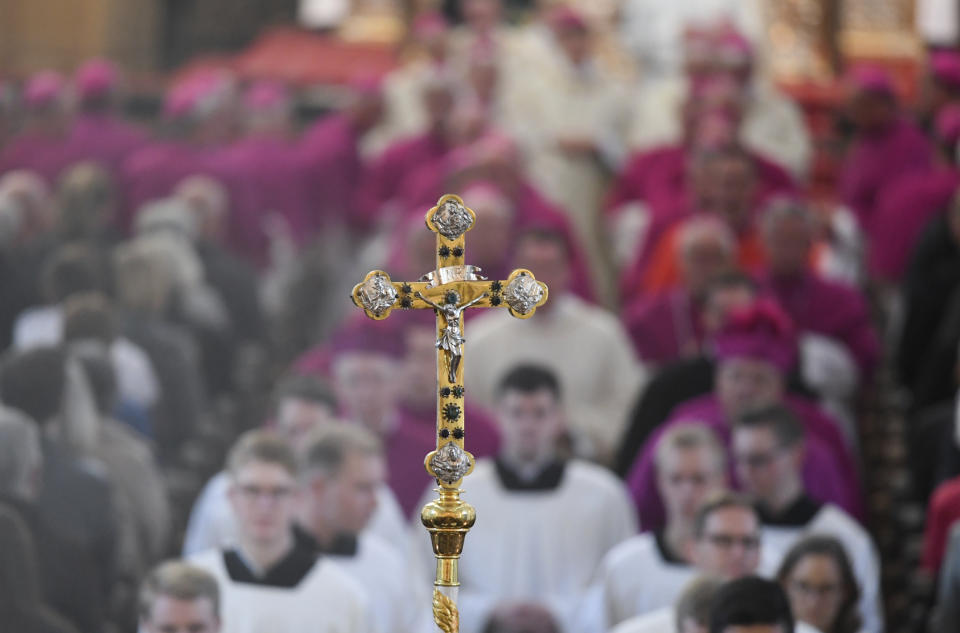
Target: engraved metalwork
(377, 294)
(523, 293)
(452, 219)
(451, 337)
(445, 613)
(450, 463)
(449, 274)
(452, 289)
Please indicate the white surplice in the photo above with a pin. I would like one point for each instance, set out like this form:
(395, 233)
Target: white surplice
(542, 546)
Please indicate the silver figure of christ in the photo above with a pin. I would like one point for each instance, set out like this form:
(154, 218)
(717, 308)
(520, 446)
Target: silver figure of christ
(451, 337)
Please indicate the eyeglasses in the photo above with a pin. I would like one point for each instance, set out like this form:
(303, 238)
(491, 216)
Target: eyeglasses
(252, 492)
(813, 590)
(728, 541)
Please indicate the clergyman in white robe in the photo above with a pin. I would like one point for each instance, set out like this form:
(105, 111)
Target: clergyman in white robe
(212, 523)
(539, 540)
(300, 594)
(584, 345)
(382, 573)
(640, 576)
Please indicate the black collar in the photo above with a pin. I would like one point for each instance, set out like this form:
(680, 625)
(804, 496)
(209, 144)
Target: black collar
(549, 478)
(668, 556)
(342, 544)
(287, 573)
(798, 514)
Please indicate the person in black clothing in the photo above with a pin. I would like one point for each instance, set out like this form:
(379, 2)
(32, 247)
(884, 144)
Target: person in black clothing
(927, 353)
(751, 603)
(21, 607)
(144, 292)
(73, 513)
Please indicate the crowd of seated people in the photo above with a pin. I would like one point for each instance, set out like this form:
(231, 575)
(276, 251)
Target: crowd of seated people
(674, 442)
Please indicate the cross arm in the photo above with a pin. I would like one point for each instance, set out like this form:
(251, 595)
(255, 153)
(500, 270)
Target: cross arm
(379, 295)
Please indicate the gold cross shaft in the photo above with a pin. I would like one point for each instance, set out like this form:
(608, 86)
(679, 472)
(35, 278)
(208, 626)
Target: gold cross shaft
(449, 290)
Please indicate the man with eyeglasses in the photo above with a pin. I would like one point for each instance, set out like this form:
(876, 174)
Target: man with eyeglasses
(725, 545)
(768, 449)
(269, 582)
(303, 405)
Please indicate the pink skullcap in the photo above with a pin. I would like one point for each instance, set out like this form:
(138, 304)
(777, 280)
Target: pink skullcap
(485, 194)
(368, 337)
(196, 93)
(181, 99)
(947, 124)
(733, 49)
(43, 89)
(429, 24)
(872, 80)
(565, 18)
(697, 45)
(762, 331)
(481, 190)
(945, 68)
(265, 95)
(95, 79)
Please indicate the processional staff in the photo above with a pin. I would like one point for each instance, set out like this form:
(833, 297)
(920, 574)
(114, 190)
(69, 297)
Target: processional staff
(449, 291)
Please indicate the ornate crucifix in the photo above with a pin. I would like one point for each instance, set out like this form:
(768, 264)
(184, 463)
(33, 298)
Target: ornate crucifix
(449, 291)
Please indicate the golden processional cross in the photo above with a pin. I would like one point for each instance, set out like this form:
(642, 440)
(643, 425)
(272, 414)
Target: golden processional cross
(449, 291)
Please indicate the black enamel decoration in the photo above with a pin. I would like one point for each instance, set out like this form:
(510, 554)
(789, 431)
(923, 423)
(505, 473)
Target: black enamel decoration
(444, 433)
(445, 392)
(457, 251)
(458, 433)
(458, 392)
(406, 289)
(406, 303)
(444, 251)
(495, 300)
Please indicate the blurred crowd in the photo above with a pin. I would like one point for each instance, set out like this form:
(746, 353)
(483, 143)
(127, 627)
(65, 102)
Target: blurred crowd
(184, 376)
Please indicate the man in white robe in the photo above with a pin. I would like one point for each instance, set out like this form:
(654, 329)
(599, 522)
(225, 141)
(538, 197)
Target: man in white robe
(303, 405)
(654, 30)
(725, 545)
(343, 470)
(269, 582)
(773, 125)
(575, 136)
(768, 451)
(543, 523)
(585, 346)
(650, 570)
